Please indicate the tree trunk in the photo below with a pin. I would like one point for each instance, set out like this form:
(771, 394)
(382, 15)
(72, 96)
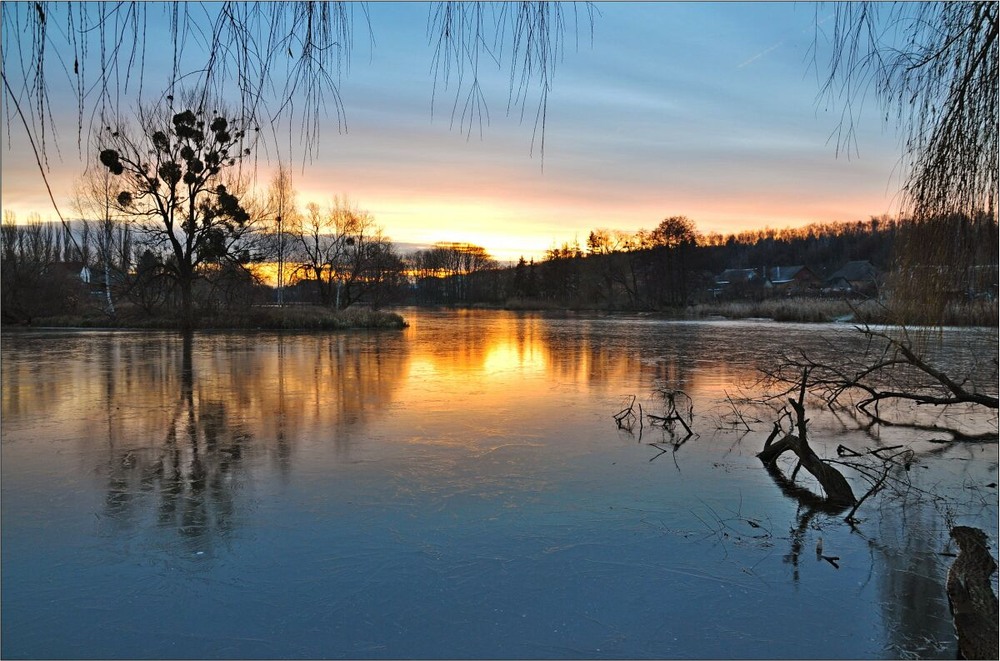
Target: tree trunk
(970, 595)
(838, 490)
(187, 304)
(107, 288)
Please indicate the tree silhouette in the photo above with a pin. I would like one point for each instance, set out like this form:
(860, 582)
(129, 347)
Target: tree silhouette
(95, 197)
(283, 215)
(451, 272)
(28, 285)
(175, 185)
(675, 231)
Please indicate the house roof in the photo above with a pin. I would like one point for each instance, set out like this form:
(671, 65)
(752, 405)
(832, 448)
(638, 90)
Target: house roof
(782, 274)
(839, 283)
(858, 271)
(736, 275)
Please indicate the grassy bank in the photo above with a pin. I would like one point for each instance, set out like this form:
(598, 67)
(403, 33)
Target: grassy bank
(263, 318)
(814, 310)
(319, 318)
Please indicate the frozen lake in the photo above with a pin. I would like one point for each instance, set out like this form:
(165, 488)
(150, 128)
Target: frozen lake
(456, 489)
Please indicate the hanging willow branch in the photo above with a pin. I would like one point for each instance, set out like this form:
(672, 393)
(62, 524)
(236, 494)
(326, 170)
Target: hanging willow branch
(249, 53)
(933, 68)
(279, 64)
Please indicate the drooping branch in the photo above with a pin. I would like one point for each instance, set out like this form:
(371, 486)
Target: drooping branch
(933, 69)
(932, 66)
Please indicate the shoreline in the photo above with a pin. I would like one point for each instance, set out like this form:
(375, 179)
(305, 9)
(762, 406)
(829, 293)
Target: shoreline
(794, 311)
(801, 310)
(259, 319)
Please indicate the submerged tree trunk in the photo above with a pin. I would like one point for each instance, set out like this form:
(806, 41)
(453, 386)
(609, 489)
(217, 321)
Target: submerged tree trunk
(838, 490)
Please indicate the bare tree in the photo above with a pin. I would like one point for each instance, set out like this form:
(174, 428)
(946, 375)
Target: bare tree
(318, 248)
(282, 213)
(384, 273)
(335, 248)
(94, 198)
(879, 385)
(369, 261)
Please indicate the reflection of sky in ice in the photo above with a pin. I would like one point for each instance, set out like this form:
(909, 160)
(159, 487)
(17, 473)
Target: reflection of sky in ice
(454, 490)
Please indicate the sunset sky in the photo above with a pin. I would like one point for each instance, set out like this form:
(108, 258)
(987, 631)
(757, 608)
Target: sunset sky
(708, 110)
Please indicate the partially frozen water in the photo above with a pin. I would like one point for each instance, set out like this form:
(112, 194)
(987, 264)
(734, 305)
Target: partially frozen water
(457, 489)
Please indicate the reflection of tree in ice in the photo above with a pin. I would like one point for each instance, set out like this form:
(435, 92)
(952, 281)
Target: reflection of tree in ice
(191, 422)
(911, 580)
(190, 477)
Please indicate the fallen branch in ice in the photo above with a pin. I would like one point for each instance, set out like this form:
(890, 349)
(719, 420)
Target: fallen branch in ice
(837, 489)
(891, 372)
(626, 418)
(673, 398)
(738, 413)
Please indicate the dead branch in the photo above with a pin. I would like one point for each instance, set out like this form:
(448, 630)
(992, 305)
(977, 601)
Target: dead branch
(737, 413)
(888, 371)
(875, 488)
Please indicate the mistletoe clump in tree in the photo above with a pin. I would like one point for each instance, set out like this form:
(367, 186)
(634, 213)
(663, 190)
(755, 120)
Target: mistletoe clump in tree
(175, 178)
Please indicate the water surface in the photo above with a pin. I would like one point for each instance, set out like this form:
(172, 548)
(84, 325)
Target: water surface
(457, 489)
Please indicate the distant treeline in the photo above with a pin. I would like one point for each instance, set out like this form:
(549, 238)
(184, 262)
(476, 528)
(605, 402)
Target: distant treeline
(109, 271)
(674, 266)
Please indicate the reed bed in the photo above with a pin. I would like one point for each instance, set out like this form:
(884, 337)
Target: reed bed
(824, 310)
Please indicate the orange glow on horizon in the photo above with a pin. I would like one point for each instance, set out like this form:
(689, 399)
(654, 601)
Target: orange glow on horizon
(512, 228)
(528, 215)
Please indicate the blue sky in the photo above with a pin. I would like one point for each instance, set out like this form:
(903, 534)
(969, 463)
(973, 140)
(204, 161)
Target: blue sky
(707, 110)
